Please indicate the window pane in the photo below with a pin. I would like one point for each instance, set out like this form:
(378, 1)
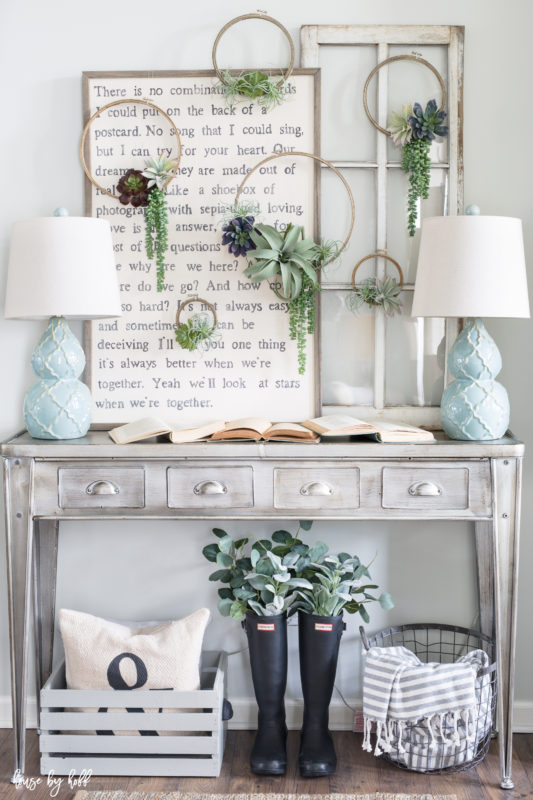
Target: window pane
(401, 246)
(335, 220)
(346, 133)
(347, 352)
(414, 358)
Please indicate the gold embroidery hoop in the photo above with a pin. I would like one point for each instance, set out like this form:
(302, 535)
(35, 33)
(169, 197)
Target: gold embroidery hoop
(418, 60)
(266, 18)
(377, 254)
(196, 299)
(119, 103)
(322, 161)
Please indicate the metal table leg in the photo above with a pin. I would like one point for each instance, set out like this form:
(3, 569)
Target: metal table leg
(19, 531)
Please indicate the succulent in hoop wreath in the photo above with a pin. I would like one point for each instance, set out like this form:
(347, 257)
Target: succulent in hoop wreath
(257, 85)
(414, 129)
(237, 235)
(133, 188)
(156, 172)
(381, 293)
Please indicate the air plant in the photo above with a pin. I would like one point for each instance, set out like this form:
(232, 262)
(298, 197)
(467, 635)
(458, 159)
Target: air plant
(256, 85)
(414, 129)
(380, 293)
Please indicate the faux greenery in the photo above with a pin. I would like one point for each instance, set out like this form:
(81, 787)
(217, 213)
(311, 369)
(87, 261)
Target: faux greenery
(238, 225)
(377, 293)
(195, 332)
(336, 586)
(133, 188)
(285, 574)
(157, 171)
(257, 85)
(296, 260)
(414, 129)
(259, 578)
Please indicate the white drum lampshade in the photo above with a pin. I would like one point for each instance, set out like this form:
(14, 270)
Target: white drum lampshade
(60, 267)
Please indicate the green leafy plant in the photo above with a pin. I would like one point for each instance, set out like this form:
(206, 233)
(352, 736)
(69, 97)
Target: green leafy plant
(336, 585)
(414, 129)
(383, 293)
(257, 85)
(195, 332)
(157, 171)
(238, 224)
(259, 577)
(296, 260)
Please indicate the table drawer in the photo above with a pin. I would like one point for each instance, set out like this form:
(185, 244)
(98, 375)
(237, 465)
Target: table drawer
(101, 487)
(210, 487)
(316, 488)
(426, 487)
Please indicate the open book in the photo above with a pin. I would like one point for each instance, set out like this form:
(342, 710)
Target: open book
(344, 425)
(152, 426)
(257, 429)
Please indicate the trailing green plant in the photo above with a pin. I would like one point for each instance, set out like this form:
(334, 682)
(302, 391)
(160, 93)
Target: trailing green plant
(256, 84)
(337, 584)
(258, 577)
(196, 331)
(297, 261)
(157, 171)
(414, 128)
(375, 292)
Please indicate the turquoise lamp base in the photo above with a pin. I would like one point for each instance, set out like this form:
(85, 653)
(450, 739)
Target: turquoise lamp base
(58, 406)
(475, 406)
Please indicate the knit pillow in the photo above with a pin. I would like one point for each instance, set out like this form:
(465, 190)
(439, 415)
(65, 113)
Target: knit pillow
(105, 655)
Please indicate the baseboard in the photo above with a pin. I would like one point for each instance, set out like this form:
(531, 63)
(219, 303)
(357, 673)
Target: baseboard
(245, 714)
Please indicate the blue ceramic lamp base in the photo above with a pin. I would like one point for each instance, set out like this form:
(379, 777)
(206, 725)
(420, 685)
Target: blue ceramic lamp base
(475, 406)
(58, 406)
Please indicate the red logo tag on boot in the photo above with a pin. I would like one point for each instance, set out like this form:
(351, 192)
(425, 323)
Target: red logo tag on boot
(266, 626)
(323, 626)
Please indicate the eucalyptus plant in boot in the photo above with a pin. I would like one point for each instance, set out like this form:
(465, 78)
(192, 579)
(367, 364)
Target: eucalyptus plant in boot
(338, 583)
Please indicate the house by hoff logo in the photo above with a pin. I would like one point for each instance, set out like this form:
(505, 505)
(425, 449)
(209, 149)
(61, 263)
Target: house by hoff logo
(323, 626)
(54, 784)
(266, 626)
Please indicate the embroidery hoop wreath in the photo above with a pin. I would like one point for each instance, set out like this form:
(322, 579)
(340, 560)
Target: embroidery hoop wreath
(415, 152)
(126, 101)
(376, 254)
(212, 329)
(223, 76)
(156, 215)
(302, 308)
(418, 60)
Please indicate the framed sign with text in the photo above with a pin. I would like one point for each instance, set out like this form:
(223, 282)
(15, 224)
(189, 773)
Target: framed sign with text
(135, 367)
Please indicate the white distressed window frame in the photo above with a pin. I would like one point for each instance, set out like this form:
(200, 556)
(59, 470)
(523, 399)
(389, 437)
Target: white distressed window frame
(312, 37)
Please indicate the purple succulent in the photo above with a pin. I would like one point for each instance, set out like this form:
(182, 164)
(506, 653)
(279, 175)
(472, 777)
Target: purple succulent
(237, 235)
(427, 124)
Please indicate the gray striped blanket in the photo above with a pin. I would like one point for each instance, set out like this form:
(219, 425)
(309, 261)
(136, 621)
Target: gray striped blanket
(433, 709)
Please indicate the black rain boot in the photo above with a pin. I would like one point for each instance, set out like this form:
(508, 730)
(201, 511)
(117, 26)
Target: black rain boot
(267, 640)
(319, 639)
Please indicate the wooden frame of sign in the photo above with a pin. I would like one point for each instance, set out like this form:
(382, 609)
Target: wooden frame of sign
(135, 367)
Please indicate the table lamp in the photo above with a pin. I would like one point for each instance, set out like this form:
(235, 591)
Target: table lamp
(60, 267)
(472, 266)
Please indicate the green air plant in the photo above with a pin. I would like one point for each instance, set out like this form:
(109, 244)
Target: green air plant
(337, 583)
(258, 577)
(296, 260)
(383, 293)
(157, 171)
(257, 85)
(196, 332)
(414, 129)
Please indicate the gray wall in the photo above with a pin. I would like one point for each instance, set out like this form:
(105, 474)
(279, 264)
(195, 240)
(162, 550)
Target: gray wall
(150, 570)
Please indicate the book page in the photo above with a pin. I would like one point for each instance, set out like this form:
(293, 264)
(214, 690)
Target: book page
(139, 429)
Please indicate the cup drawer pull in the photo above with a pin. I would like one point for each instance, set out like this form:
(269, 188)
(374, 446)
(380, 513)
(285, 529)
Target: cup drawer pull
(102, 487)
(316, 489)
(425, 489)
(210, 487)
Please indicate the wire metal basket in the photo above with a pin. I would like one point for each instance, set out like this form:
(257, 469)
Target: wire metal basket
(443, 644)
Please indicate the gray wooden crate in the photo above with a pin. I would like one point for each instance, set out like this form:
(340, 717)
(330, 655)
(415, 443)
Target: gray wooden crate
(69, 742)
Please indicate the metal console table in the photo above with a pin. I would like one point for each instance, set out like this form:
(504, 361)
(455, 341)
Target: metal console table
(92, 478)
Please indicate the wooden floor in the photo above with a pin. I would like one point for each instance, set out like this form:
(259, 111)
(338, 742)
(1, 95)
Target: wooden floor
(357, 771)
